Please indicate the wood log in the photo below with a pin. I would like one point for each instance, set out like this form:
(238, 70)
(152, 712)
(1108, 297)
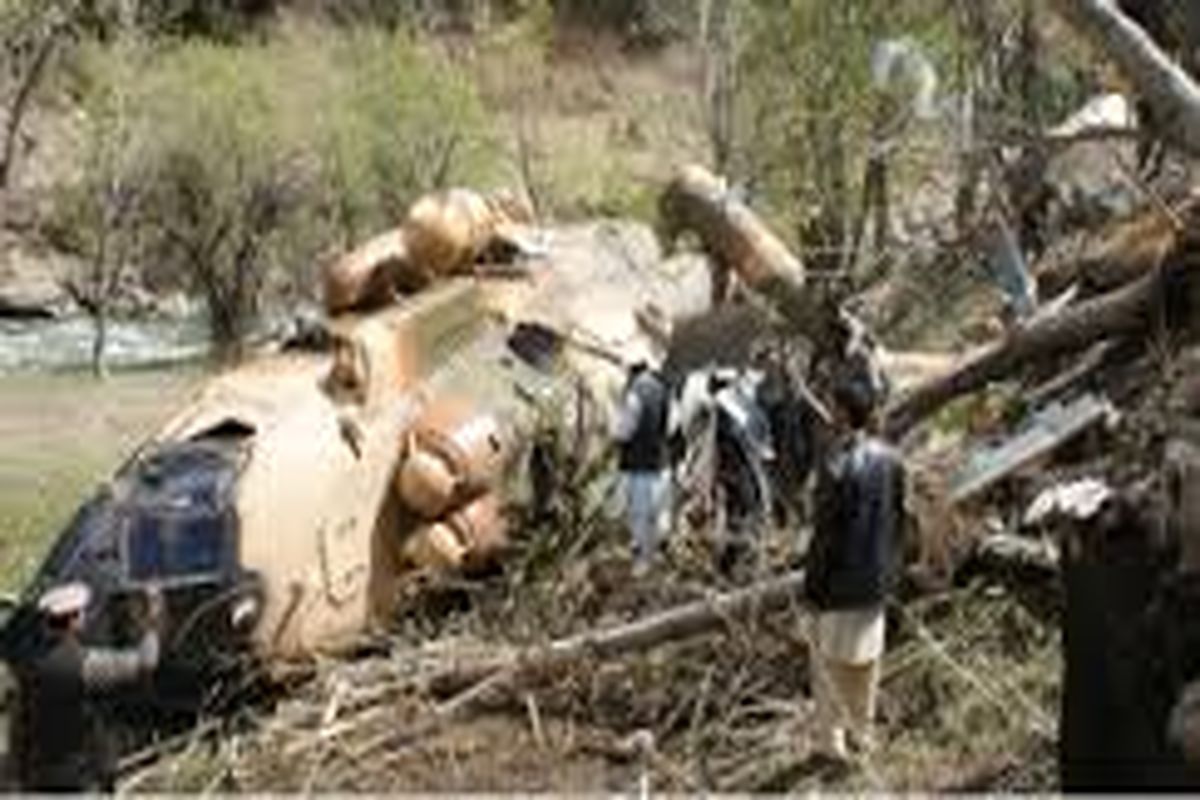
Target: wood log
(672, 625)
(478, 682)
(1161, 298)
(1123, 250)
(1173, 97)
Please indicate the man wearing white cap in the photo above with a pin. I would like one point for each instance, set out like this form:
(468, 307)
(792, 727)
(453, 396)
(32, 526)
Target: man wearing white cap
(58, 742)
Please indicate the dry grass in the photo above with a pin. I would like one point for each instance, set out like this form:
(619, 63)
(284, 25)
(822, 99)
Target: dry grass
(60, 434)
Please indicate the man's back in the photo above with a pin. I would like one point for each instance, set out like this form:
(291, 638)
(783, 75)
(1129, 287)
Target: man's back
(644, 443)
(859, 516)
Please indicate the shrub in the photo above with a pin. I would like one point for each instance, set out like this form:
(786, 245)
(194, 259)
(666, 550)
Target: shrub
(257, 159)
(221, 181)
(399, 122)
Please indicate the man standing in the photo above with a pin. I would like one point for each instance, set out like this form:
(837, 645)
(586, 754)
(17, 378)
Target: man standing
(58, 742)
(859, 513)
(641, 431)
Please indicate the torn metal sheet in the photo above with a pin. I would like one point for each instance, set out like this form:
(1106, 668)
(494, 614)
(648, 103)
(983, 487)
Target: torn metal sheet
(1049, 429)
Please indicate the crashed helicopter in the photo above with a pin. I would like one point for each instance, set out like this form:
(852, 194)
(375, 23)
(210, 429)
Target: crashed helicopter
(282, 508)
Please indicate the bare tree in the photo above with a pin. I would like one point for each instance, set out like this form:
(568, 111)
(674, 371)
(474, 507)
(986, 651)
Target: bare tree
(220, 236)
(99, 283)
(107, 203)
(719, 42)
(33, 34)
(904, 82)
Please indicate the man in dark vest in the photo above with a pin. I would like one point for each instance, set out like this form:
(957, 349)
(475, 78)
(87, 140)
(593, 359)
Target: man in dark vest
(641, 429)
(852, 561)
(59, 744)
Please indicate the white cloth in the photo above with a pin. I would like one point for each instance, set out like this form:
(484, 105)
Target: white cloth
(854, 636)
(648, 509)
(845, 695)
(628, 414)
(846, 647)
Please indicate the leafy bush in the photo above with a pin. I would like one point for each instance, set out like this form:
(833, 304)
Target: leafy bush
(399, 122)
(258, 160)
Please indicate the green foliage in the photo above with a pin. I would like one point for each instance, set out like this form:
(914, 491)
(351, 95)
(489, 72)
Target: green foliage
(221, 180)
(805, 104)
(401, 123)
(257, 160)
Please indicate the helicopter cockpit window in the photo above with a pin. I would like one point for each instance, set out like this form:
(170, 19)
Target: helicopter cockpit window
(181, 522)
(171, 546)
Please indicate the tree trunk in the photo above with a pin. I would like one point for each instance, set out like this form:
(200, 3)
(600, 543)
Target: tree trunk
(718, 34)
(1171, 94)
(99, 341)
(672, 625)
(1161, 300)
(29, 82)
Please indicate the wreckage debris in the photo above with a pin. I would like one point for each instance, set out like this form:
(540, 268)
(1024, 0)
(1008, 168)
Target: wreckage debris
(737, 241)
(468, 539)
(363, 279)
(452, 454)
(448, 232)
(1049, 429)
(1079, 500)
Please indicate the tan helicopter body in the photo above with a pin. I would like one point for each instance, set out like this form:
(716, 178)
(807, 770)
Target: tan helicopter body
(444, 234)
(399, 449)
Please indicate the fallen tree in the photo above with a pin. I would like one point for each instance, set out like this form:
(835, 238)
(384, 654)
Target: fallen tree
(1124, 250)
(476, 683)
(672, 625)
(480, 678)
(1159, 300)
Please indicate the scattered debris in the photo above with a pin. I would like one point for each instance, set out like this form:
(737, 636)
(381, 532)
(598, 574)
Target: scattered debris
(1048, 429)
(1080, 500)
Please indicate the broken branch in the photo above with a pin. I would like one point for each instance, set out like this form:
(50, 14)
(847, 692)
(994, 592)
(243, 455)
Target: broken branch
(1136, 308)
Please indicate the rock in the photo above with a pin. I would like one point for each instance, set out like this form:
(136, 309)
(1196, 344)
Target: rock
(32, 299)
(30, 285)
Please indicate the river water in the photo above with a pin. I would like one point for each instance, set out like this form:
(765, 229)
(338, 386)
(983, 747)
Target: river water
(63, 344)
(66, 343)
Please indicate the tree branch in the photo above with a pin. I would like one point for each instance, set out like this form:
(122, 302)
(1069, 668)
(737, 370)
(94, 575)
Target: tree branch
(29, 81)
(1172, 95)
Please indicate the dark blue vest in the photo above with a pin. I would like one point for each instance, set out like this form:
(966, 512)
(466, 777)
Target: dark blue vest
(646, 449)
